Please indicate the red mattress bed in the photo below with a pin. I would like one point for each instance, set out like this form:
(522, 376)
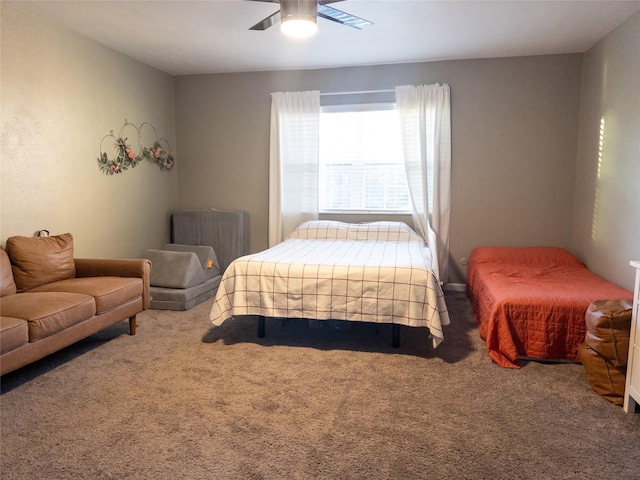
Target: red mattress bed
(531, 301)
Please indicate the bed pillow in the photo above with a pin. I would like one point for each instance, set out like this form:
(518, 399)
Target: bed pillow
(548, 256)
(40, 260)
(334, 230)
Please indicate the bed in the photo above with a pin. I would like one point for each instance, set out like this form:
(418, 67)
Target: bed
(378, 272)
(530, 302)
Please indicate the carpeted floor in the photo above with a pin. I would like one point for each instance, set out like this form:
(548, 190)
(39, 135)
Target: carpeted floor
(185, 400)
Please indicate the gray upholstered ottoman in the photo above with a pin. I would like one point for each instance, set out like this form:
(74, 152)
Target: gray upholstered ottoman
(182, 276)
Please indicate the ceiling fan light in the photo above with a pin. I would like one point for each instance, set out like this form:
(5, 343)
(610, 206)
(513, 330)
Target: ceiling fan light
(299, 26)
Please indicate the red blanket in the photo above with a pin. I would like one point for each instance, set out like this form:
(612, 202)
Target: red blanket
(531, 301)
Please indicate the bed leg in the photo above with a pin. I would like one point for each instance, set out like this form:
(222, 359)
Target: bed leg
(261, 326)
(396, 335)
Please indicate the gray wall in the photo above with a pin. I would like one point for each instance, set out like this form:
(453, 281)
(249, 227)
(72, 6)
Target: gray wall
(518, 126)
(60, 95)
(606, 220)
(514, 123)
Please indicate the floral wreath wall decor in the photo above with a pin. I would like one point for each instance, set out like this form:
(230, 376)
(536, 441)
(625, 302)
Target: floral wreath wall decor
(125, 154)
(157, 154)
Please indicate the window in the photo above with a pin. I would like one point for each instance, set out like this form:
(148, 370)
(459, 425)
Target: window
(361, 161)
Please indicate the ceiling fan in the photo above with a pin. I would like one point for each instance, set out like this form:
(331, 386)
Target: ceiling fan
(308, 10)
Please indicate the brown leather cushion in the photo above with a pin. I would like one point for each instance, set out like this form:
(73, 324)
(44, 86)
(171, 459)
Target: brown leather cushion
(48, 312)
(608, 327)
(40, 260)
(7, 285)
(14, 333)
(109, 292)
(607, 380)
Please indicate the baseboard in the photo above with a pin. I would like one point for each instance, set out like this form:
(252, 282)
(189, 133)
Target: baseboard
(455, 287)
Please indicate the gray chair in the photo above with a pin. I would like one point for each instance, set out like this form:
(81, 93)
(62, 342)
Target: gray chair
(182, 276)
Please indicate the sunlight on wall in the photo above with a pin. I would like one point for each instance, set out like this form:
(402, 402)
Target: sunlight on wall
(594, 216)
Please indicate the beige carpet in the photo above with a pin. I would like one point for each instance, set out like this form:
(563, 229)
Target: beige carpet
(185, 400)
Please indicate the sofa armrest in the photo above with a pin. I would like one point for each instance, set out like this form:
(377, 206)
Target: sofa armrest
(98, 267)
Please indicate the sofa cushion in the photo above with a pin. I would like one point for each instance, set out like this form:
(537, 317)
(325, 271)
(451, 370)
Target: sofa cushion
(175, 269)
(7, 285)
(48, 312)
(14, 332)
(40, 260)
(108, 292)
(206, 255)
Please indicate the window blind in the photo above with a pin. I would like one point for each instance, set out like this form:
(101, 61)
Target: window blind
(361, 160)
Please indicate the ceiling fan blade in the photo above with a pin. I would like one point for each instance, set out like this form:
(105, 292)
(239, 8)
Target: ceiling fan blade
(342, 18)
(267, 22)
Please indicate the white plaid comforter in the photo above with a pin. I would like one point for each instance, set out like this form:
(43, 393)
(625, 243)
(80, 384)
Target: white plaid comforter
(382, 276)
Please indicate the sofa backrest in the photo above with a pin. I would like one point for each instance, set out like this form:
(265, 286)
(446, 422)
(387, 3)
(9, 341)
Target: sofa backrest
(7, 284)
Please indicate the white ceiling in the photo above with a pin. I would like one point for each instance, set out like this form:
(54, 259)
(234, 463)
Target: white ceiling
(212, 36)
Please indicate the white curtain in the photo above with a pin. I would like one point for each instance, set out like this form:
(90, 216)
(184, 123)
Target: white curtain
(293, 162)
(425, 118)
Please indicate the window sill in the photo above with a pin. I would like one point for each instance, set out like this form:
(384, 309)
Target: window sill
(362, 217)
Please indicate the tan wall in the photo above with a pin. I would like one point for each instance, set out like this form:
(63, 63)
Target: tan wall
(515, 124)
(606, 226)
(60, 94)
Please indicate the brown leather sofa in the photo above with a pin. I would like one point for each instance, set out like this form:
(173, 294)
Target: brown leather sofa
(49, 299)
